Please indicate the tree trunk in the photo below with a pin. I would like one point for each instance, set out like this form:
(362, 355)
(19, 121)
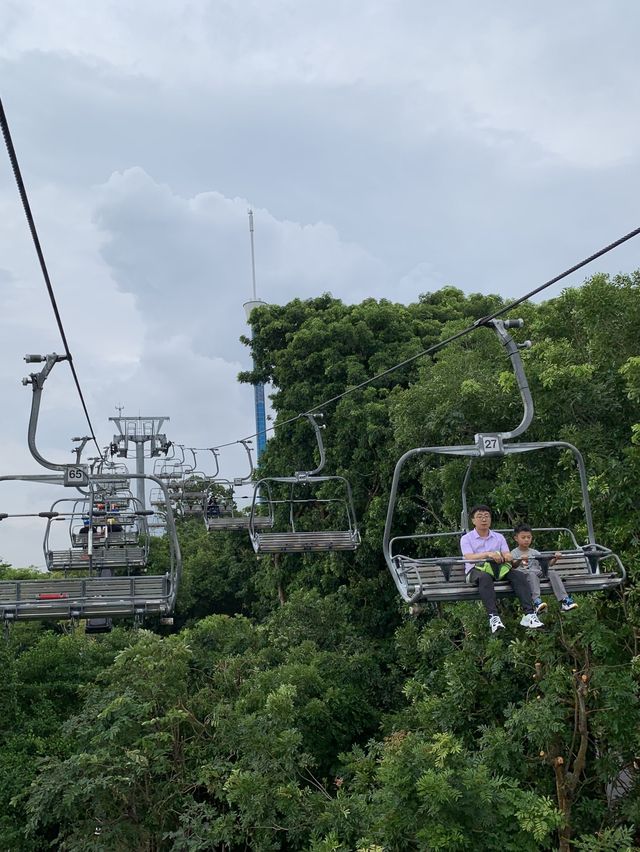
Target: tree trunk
(564, 806)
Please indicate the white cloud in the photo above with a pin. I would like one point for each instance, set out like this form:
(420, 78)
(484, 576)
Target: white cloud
(483, 69)
(187, 261)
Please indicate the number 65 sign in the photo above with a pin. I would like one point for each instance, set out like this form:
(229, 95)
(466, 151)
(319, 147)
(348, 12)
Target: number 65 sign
(76, 475)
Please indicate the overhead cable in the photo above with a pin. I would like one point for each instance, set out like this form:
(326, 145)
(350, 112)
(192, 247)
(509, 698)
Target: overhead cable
(43, 266)
(431, 350)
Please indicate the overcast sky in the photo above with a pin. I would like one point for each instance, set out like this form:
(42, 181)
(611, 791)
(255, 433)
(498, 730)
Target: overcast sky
(387, 147)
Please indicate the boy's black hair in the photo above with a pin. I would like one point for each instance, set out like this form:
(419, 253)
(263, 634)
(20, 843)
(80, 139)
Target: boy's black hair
(522, 528)
(481, 507)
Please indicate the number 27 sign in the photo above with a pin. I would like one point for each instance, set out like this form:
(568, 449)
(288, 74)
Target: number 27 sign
(489, 445)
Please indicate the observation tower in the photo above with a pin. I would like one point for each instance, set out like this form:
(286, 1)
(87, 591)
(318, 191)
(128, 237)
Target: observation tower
(258, 390)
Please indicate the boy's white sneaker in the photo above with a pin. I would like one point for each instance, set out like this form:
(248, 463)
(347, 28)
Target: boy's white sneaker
(495, 623)
(531, 621)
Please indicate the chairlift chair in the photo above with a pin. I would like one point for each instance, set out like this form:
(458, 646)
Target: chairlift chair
(156, 499)
(121, 523)
(96, 582)
(227, 518)
(583, 568)
(304, 496)
(100, 591)
(194, 494)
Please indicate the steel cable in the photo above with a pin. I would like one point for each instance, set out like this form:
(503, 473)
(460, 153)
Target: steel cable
(43, 266)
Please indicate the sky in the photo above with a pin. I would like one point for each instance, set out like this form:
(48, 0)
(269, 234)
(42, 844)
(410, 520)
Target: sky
(387, 147)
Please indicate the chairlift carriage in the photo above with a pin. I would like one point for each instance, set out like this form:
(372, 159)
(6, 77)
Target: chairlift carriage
(119, 484)
(112, 535)
(583, 568)
(193, 496)
(302, 503)
(172, 470)
(221, 512)
(96, 581)
(174, 467)
(99, 580)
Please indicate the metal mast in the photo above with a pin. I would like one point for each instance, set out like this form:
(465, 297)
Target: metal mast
(258, 389)
(140, 431)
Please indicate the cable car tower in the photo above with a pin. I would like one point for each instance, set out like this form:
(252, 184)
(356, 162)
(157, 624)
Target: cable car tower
(139, 431)
(258, 389)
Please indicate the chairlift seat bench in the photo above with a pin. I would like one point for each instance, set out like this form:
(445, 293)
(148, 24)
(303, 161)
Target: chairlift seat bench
(83, 597)
(102, 557)
(239, 522)
(303, 542)
(444, 580)
(112, 539)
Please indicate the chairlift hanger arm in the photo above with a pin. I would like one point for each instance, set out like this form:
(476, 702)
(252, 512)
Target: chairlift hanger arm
(215, 452)
(188, 469)
(37, 380)
(500, 327)
(245, 443)
(78, 450)
(313, 419)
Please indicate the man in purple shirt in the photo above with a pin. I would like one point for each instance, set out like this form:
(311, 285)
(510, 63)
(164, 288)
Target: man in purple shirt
(489, 558)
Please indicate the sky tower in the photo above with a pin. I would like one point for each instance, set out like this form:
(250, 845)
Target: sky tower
(261, 417)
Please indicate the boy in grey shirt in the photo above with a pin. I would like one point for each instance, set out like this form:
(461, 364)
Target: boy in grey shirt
(525, 557)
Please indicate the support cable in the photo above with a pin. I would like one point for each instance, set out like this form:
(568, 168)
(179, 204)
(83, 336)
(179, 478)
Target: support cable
(43, 266)
(431, 350)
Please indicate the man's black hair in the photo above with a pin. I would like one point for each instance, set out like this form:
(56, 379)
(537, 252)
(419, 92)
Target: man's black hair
(522, 528)
(481, 507)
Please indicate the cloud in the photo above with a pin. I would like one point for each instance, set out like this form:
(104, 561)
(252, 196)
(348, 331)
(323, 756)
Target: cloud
(488, 71)
(186, 261)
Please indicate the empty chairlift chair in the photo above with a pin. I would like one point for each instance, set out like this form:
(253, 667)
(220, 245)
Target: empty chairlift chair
(194, 495)
(309, 512)
(221, 511)
(429, 567)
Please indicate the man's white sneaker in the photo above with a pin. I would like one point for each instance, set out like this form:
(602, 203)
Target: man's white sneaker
(531, 621)
(495, 623)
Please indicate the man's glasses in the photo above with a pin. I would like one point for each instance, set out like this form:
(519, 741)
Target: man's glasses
(482, 515)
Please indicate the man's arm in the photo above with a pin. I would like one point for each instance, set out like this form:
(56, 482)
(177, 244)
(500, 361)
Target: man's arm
(485, 554)
(495, 555)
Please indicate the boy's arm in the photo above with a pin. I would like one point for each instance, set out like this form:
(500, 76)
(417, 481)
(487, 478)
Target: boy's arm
(555, 558)
(516, 560)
